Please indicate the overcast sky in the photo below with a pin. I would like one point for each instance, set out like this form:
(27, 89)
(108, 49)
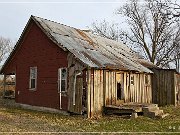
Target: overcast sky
(77, 13)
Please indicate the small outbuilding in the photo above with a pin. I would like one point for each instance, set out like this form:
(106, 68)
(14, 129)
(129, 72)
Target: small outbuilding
(73, 70)
(166, 87)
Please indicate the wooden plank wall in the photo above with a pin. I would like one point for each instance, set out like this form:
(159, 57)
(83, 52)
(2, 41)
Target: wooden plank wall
(139, 92)
(75, 66)
(95, 92)
(110, 87)
(164, 87)
(102, 90)
(77, 108)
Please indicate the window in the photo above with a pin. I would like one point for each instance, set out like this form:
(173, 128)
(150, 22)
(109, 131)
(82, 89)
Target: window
(33, 77)
(62, 79)
(132, 80)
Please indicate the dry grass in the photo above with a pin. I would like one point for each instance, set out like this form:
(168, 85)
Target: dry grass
(16, 119)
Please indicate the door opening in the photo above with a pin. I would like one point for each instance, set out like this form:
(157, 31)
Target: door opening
(119, 93)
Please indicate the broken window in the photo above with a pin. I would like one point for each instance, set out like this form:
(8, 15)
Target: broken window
(132, 80)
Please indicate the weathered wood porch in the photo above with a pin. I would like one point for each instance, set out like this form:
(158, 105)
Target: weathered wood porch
(111, 87)
(125, 108)
(146, 109)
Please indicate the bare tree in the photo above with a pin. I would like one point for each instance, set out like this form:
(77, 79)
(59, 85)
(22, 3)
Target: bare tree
(106, 29)
(153, 30)
(176, 14)
(6, 46)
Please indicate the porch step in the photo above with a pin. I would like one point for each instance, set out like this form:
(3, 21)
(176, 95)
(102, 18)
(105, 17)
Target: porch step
(153, 111)
(149, 109)
(153, 114)
(151, 105)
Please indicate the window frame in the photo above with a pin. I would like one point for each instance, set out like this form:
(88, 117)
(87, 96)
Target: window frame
(60, 80)
(30, 78)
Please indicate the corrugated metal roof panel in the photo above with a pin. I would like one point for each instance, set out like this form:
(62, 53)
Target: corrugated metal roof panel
(93, 50)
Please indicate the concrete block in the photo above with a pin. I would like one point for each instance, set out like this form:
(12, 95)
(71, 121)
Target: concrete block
(134, 115)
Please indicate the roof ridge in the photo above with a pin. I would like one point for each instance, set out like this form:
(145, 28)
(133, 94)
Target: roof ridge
(83, 30)
(56, 22)
(86, 31)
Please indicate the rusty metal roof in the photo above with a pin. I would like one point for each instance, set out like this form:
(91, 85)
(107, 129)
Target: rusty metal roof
(93, 50)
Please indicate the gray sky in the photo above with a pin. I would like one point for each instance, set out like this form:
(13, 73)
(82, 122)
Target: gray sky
(78, 13)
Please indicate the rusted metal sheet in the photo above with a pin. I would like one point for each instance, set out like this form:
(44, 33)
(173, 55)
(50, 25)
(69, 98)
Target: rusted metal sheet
(94, 51)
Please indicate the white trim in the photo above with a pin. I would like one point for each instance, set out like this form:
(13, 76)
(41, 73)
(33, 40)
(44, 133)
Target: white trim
(59, 85)
(33, 89)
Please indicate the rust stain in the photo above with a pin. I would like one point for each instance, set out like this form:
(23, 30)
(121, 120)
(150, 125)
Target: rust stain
(89, 40)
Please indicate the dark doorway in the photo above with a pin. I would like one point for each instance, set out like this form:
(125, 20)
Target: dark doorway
(119, 90)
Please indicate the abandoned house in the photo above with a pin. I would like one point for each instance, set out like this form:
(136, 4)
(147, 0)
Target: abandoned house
(73, 70)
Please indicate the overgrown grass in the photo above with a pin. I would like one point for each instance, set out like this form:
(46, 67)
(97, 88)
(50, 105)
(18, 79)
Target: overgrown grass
(21, 120)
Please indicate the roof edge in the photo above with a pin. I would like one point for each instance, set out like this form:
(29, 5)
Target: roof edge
(15, 47)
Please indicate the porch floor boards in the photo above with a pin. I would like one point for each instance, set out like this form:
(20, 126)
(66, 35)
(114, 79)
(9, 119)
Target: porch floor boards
(126, 108)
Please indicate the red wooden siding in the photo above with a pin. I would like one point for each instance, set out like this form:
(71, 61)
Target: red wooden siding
(36, 50)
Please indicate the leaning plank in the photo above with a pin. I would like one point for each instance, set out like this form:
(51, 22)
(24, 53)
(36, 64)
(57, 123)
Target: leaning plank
(92, 92)
(125, 88)
(89, 93)
(101, 89)
(107, 88)
(104, 88)
(115, 84)
(110, 88)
